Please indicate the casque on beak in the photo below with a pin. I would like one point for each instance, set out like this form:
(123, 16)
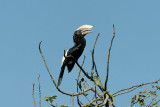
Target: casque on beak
(85, 29)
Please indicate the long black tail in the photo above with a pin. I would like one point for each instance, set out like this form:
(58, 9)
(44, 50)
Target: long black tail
(61, 75)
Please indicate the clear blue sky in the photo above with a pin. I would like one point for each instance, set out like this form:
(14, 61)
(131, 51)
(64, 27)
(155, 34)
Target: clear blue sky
(24, 23)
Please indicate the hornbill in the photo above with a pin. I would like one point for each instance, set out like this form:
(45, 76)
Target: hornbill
(76, 51)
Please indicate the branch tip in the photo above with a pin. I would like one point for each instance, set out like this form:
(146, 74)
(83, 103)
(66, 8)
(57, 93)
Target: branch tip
(40, 46)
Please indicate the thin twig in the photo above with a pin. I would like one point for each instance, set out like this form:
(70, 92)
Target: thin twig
(96, 96)
(39, 91)
(99, 77)
(150, 104)
(156, 102)
(92, 52)
(138, 101)
(126, 90)
(105, 85)
(46, 63)
(83, 61)
(91, 86)
(104, 101)
(78, 101)
(86, 74)
(93, 61)
(33, 95)
(83, 82)
(97, 99)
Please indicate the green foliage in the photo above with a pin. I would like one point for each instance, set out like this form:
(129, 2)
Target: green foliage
(143, 95)
(158, 87)
(50, 98)
(96, 80)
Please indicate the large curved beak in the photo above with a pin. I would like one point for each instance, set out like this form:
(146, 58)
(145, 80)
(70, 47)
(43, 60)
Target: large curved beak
(85, 29)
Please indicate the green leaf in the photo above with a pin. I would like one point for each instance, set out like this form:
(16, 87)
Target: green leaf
(54, 97)
(82, 79)
(96, 80)
(154, 93)
(46, 98)
(92, 73)
(158, 87)
(50, 98)
(133, 99)
(141, 102)
(142, 95)
(154, 103)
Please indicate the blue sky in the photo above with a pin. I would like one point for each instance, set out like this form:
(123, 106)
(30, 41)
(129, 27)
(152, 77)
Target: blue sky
(24, 23)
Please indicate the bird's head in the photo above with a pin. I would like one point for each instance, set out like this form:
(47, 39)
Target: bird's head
(81, 32)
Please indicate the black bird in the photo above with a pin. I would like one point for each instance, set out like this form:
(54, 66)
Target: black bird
(76, 51)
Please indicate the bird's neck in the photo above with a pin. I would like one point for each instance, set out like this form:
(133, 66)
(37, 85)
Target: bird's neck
(82, 44)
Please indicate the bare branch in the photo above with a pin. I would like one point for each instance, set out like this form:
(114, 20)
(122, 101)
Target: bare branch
(97, 99)
(78, 101)
(33, 95)
(156, 102)
(105, 101)
(46, 63)
(91, 86)
(93, 61)
(105, 86)
(95, 95)
(126, 90)
(39, 91)
(138, 100)
(150, 104)
(92, 52)
(95, 41)
(86, 74)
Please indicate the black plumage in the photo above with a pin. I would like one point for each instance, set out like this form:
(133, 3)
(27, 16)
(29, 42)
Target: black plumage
(76, 51)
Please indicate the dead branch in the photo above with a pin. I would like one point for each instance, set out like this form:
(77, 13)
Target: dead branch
(126, 90)
(93, 62)
(92, 52)
(78, 101)
(39, 91)
(90, 86)
(105, 85)
(33, 95)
